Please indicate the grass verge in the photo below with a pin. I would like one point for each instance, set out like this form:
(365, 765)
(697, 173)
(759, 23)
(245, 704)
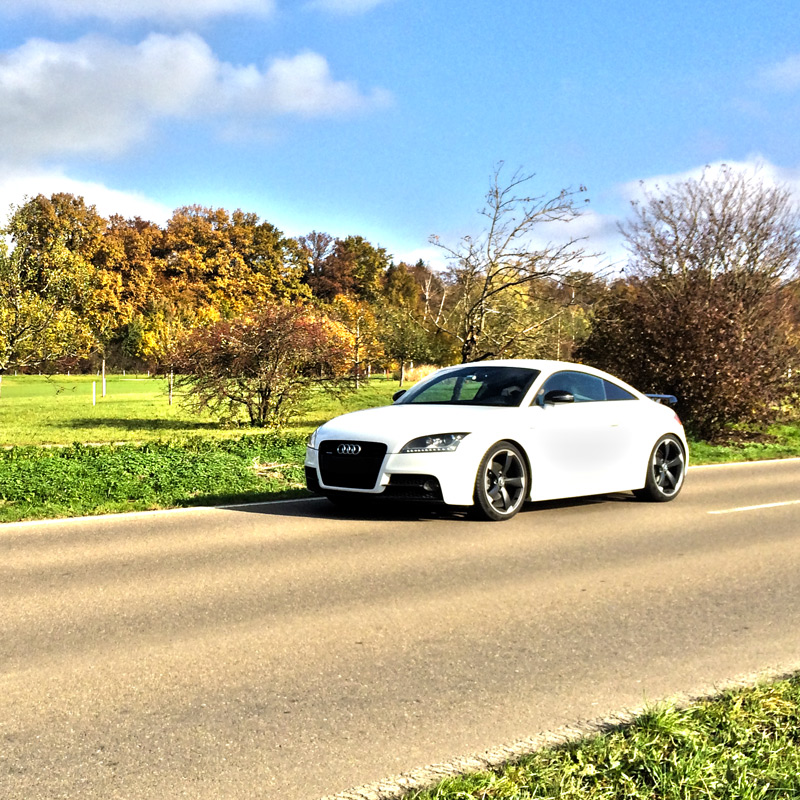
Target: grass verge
(743, 745)
(39, 483)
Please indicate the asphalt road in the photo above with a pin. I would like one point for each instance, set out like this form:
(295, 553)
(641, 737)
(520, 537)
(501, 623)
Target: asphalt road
(287, 651)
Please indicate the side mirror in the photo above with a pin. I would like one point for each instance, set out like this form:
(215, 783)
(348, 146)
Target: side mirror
(558, 396)
(397, 395)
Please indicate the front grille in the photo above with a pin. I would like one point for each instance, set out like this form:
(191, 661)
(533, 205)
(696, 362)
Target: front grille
(351, 471)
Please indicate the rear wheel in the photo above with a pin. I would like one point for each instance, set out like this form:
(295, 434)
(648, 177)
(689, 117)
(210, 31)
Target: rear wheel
(502, 482)
(665, 471)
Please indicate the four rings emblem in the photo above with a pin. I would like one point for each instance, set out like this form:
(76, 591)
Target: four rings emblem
(348, 449)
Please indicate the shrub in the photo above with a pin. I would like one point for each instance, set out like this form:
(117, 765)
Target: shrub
(263, 364)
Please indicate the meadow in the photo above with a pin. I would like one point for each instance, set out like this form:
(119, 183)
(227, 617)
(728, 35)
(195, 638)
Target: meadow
(58, 410)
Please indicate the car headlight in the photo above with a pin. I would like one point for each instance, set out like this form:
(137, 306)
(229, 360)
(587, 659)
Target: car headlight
(435, 443)
(312, 440)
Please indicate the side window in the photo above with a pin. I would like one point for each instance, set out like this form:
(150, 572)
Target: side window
(614, 392)
(585, 388)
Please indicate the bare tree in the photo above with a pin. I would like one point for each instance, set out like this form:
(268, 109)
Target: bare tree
(727, 223)
(484, 302)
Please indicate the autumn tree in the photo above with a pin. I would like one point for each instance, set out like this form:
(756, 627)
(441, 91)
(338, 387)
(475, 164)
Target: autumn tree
(359, 320)
(263, 364)
(228, 262)
(490, 275)
(51, 303)
(40, 321)
(315, 249)
(350, 266)
(703, 312)
(400, 312)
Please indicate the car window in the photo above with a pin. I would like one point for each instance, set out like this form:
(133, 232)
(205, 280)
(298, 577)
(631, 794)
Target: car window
(478, 386)
(585, 388)
(614, 392)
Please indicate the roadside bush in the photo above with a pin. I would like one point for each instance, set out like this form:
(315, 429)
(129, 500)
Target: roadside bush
(700, 342)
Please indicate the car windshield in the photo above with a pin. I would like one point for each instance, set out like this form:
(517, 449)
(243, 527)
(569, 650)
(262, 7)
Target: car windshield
(475, 386)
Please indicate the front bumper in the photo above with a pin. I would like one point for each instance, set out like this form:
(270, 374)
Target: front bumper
(427, 477)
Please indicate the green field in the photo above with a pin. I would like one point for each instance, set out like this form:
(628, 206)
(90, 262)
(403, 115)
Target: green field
(39, 410)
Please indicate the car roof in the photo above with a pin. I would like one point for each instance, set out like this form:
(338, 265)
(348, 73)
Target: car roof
(546, 365)
(542, 364)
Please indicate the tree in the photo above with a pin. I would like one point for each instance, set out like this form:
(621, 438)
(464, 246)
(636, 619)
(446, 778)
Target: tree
(358, 319)
(703, 312)
(404, 339)
(402, 333)
(39, 318)
(231, 263)
(315, 249)
(48, 288)
(263, 364)
(503, 260)
(350, 266)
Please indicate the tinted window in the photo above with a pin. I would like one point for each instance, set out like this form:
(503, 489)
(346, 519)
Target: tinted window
(614, 392)
(482, 386)
(585, 388)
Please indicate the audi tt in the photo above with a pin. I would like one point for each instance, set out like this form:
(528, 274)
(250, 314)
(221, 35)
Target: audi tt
(492, 435)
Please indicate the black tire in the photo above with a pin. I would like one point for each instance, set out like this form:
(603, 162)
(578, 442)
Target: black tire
(666, 470)
(502, 483)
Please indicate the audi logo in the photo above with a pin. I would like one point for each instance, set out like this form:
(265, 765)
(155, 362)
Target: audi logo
(348, 449)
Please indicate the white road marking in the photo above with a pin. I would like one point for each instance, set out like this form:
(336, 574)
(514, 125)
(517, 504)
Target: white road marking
(756, 508)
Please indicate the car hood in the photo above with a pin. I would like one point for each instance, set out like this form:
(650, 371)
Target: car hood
(398, 424)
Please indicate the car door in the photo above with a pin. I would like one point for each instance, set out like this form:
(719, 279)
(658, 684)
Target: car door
(587, 445)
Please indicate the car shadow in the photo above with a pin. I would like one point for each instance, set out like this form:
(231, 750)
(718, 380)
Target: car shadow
(322, 508)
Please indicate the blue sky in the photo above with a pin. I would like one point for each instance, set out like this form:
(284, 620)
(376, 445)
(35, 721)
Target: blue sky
(386, 118)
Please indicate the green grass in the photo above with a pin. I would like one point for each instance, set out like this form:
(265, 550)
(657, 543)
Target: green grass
(37, 410)
(743, 745)
(782, 441)
(37, 483)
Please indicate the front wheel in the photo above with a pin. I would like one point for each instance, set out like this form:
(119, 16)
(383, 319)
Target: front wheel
(502, 482)
(665, 471)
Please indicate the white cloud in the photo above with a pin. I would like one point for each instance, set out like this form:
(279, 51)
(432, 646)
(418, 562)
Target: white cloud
(755, 166)
(345, 6)
(129, 10)
(783, 76)
(17, 186)
(99, 96)
(300, 85)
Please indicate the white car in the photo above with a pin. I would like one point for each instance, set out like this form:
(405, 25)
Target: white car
(494, 434)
